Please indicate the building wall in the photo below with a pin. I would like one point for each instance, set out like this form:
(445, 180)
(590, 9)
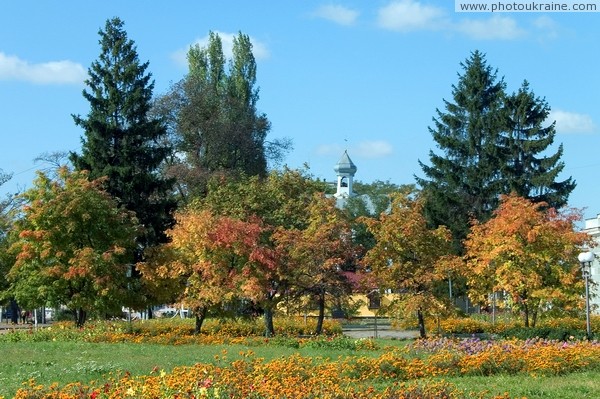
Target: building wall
(592, 227)
(367, 307)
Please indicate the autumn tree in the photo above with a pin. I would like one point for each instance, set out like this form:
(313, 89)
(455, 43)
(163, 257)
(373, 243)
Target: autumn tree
(280, 200)
(315, 255)
(215, 123)
(529, 252)
(211, 258)
(122, 141)
(408, 257)
(222, 249)
(73, 247)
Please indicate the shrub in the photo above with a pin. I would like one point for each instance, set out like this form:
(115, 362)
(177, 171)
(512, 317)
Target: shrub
(552, 328)
(552, 333)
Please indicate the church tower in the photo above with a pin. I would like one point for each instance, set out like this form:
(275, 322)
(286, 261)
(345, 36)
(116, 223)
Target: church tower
(345, 170)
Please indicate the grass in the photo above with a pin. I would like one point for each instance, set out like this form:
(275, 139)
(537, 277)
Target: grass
(579, 385)
(65, 362)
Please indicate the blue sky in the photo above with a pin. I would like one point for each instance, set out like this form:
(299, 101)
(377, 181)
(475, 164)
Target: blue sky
(366, 76)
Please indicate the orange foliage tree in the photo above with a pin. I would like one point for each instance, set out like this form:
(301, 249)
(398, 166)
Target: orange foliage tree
(408, 257)
(213, 258)
(528, 252)
(315, 254)
(280, 200)
(258, 241)
(73, 247)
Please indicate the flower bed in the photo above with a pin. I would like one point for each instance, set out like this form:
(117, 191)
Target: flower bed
(411, 371)
(399, 372)
(170, 332)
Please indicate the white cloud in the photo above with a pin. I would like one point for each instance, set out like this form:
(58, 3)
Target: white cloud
(339, 14)
(546, 27)
(364, 149)
(329, 149)
(571, 122)
(259, 49)
(54, 72)
(545, 22)
(413, 15)
(410, 15)
(496, 27)
(373, 149)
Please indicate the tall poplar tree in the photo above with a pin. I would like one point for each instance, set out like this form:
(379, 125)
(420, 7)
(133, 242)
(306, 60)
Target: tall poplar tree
(214, 116)
(463, 183)
(122, 142)
(528, 172)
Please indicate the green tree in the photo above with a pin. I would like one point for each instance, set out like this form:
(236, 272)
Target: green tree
(527, 172)
(121, 141)
(464, 182)
(7, 207)
(280, 200)
(372, 199)
(492, 144)
(214, 117)
(73, 246)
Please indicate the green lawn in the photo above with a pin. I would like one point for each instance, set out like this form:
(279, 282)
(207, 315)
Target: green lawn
(579, 385)
(65, 362)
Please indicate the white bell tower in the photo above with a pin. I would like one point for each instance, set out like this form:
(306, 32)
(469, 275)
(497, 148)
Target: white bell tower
(345, 170)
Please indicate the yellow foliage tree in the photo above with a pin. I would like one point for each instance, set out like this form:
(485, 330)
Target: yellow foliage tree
(528, 252)
(408, 257)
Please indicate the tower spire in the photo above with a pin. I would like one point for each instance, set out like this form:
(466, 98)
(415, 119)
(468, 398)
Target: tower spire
(345, 170)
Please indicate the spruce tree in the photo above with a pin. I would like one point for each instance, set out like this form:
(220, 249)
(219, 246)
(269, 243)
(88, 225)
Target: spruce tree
(463, 183)
(121, 141)
(527, 172)
(492, 144)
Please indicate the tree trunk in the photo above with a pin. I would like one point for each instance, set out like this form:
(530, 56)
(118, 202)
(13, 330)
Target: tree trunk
(14, 311)
(534, 313)
(321, 316)
(269, 328)
(200, 316)
(421, 320)
(80, 317)
(526, 315)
